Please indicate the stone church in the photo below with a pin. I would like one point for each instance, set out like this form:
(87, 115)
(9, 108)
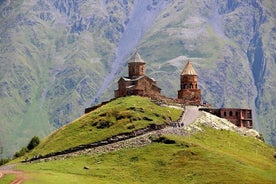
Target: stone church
(137, 83)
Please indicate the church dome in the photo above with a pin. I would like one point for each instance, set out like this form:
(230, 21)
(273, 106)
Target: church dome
(189, 69)
(136, 58)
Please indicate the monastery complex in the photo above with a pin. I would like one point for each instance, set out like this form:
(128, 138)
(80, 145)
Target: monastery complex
(138, 83)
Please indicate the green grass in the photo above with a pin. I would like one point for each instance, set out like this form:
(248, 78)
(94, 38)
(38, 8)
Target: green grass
(119, 116)
(212, 156)
(7, 178)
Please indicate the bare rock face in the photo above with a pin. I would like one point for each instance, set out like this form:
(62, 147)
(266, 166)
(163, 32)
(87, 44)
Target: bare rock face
(252, 133)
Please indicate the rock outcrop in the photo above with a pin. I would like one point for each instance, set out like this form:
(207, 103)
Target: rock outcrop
(215, 122)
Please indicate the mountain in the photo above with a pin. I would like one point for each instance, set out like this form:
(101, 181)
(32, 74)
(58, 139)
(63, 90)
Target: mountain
(210, 150)
(59, 56)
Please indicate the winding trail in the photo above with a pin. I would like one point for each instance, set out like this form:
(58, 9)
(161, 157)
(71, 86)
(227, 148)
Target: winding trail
(9, 169)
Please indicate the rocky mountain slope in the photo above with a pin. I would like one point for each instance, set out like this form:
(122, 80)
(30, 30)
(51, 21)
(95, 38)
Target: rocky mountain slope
(57, 57)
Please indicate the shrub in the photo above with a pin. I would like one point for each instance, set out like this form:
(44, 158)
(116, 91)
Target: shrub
(20, 153)
(33, 143)
(162, 139)
(4, 161)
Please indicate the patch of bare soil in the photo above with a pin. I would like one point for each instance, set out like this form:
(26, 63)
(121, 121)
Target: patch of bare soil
(20, 177)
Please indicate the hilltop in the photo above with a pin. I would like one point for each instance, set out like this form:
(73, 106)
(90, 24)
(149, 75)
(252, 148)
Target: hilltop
(123, 115)
(209, 150)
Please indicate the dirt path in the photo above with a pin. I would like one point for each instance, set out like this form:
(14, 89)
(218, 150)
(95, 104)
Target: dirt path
(9, 169)
(190, 115)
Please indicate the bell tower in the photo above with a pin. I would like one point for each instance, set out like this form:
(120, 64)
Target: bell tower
(136, 66)
(189, 92)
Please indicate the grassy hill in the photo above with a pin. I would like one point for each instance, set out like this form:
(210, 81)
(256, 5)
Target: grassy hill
(211, 156)
(119, 116)
(206, 156)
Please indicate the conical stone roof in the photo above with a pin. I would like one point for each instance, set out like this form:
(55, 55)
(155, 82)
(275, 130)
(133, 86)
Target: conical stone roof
(136, 58)
(189, 69)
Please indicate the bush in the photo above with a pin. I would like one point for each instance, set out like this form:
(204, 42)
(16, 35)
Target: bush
(20, 153)
(33, 143)
(162, 139)
(4, 161)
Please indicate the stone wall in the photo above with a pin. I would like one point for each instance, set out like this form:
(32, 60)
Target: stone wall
(115, 138)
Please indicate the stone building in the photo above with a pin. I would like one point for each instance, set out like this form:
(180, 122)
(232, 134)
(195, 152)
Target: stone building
(189, 93)
(137, 83)
(239, 117)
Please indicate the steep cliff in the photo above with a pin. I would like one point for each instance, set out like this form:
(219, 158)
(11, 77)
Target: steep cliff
(59, 56)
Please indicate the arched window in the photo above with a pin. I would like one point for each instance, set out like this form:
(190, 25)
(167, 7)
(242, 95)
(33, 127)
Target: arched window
(185, 86)
(191, 86)
(224, 113)
(249, 114)
(196, 86)
(230, 113)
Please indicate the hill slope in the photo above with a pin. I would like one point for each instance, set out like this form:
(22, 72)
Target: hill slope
(120, 116)
(194, 154)
(212, 156)
(58, 56)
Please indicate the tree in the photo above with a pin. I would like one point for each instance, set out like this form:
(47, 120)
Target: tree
(4, 161)
(21, 152)
(33, 143)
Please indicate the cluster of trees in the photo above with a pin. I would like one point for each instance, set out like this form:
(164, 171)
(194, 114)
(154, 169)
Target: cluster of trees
(34, 142)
